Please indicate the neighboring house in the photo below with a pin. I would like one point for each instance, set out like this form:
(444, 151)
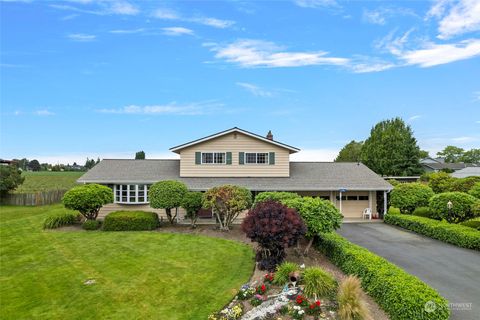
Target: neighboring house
(5, 162)
(467, 172)
(439, 164)
(242, 158)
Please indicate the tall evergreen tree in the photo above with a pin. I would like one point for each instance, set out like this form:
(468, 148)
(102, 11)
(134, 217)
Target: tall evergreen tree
(392, 149)
(351, 152)
(140, 155)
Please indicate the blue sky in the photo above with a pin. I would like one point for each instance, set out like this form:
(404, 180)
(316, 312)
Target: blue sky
(108, 78)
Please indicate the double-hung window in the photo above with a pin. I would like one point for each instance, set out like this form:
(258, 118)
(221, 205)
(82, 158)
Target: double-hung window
(256, 157)
(213, 157)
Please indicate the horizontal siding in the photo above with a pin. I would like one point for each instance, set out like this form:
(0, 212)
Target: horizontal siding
(235, 143)
(106, 209)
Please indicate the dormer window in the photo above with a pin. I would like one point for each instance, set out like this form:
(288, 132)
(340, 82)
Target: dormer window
(256, 157)
(213, 157)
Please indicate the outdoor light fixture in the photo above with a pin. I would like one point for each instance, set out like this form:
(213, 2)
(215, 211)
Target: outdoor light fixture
(449, 205)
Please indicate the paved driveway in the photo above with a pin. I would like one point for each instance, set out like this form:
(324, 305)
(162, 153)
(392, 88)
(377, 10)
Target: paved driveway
(453, 271)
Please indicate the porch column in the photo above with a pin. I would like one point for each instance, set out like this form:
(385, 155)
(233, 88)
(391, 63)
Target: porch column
(384, 203)
(341, 200)
(370, 202)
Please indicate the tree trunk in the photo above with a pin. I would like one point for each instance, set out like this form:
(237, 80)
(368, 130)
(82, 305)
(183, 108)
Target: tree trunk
(309, 245)
(168, 211)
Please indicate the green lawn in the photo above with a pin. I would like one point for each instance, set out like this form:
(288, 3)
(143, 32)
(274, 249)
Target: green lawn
(139, 275)
(48, 180)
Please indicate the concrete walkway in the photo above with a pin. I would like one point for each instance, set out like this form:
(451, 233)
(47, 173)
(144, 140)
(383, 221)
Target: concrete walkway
(453, 271)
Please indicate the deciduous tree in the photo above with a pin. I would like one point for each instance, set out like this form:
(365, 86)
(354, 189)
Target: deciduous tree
(140, 155)
(88, 199)
(451, 154)
(10, 179)
(168, 195)
(350, 152)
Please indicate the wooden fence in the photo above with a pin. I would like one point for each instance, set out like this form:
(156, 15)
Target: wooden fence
(34, 199)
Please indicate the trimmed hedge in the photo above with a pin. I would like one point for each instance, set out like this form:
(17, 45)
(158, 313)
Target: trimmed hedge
(393, 210)
(130, 221)
(400, 294)
(455, 234)
(61, 219)
(462, 209)
(473, 223)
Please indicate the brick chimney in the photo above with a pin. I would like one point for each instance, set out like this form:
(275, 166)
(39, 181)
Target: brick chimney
(269, 135)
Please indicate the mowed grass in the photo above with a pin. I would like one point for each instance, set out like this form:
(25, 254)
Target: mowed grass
(48, 180)
(139, 275)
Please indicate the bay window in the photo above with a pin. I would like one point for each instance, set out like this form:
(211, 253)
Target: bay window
(131, 193)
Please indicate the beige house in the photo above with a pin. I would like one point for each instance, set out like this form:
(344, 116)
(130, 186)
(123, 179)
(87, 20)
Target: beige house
(239, 157)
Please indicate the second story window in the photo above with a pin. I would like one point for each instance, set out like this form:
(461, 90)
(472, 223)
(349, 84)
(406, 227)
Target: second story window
(256, 158)
(213, 157)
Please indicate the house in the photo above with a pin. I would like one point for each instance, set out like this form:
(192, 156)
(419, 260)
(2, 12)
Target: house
(239, 157)
(467, 172)
(439, 164)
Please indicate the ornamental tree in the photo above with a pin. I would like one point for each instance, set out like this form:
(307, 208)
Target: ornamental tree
(274, 227)
(10, 179)
(462, 206)
(192, 202)
(227, 202)
(88, 199)
(168, 195)
(408, 196)
(320, 216)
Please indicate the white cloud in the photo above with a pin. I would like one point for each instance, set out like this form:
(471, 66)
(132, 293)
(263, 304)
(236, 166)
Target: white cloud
(255, 90)
(415, 117)
(316, 3)
(362, 64)
(168, 14)
(44, 112)
(455, 17)
(177, 31)
(249, 53)
(81, 37)
(464, 139)
(380, 15)
(101, 7)
(476, 95)
(127, 31)
(315, 155)
(436, 54)
(191, 109)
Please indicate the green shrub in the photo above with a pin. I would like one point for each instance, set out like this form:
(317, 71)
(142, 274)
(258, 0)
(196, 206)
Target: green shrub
(192, 202)
(440, 182)
(422, 212)
(455, 234)
(393, 210)
(408, 196)
(168, 195)
(472, 223)
(130, 221)
(394, 182)
(319, 215)
(351, 305)
(400, 294)
(475, 190)
(275, 196)
(462, 206)
(91, 225)
(464, 184)
(61, 219)
(88, 199)
(282, 273)
(318, 282)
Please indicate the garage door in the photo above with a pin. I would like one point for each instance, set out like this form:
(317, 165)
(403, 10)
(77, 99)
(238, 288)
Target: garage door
(353, 205)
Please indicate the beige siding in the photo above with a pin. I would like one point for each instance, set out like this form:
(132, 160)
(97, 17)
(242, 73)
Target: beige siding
(234, 143)
(106, 209)
(354, 208)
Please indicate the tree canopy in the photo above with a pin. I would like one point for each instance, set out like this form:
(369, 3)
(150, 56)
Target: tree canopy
(140, 155)
(392, 149)
(167, 194)
(10, 179)
(351, 152)
(88, 199)
(451, 154)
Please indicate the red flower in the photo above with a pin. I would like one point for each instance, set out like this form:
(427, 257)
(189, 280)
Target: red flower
(299, 299)
(263, 288)
(312, 306)
(318, 303)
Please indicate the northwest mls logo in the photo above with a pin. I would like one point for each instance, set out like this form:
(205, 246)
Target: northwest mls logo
(430, 306)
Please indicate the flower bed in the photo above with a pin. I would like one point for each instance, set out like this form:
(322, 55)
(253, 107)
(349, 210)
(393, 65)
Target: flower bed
(455, 234)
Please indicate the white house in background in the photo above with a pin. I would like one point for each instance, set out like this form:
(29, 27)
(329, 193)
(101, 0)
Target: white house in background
(242, 158)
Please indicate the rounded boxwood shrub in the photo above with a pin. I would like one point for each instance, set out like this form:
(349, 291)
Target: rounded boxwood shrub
(61, 219)
(462, 206)
(475, 190)
(91, 224)
(408, 196)
(88, 199)
(275, 196)
(422, 212)
(440, 182)
(393, 210)
(130, 221)
(464, 184)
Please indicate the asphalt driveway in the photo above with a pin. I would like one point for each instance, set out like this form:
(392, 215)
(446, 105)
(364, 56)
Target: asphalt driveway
(453, 271)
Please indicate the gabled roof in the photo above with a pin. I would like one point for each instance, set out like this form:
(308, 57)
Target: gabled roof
(304, 176)
(467, 172)
(238, 130)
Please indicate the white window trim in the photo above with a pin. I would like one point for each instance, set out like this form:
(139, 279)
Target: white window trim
(213, 152)
(146, 188)
(256, 158)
